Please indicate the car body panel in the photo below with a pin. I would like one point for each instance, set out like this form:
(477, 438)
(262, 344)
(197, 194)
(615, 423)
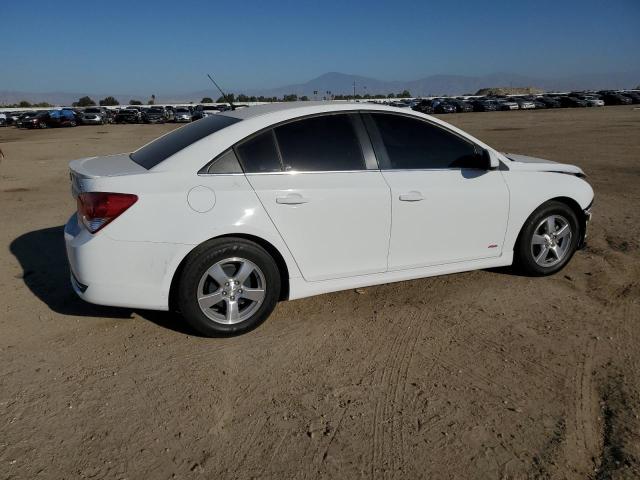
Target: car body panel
(462, 215)
(341, 229)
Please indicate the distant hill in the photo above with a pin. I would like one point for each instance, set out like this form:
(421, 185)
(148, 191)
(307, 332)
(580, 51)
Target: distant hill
(342, 83)
(509, 91)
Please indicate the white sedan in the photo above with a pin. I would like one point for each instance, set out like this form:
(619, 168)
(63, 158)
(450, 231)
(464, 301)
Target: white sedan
(224, 217)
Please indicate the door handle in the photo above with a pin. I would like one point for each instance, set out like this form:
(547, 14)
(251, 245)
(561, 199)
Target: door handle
(292, 199)
(411, 197)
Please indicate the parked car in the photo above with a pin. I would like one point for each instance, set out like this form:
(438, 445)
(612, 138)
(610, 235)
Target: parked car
(154, 115)
(128, 115)
(182, 115)
(38, 120)
(441, 106)
(460, 105)
(202, 111)
(24, 118)
(549, 101)
(423, 106)
(65, 117)
(484, 105)
(507, 105)
(524, 103)
(170, 114)
(224, 217)
(11, 117)
(95, 116)
(615, 98)
(634, 96)
(3, 119)
(591, 100)
(566, 101)
(537, 102)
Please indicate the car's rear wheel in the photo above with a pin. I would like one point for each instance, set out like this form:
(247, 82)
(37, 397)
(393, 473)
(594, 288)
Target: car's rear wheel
(228, 286)
(548, 239)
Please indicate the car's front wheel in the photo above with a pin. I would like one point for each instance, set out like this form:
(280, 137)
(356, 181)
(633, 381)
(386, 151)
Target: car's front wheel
(548, 239)
(228, 286)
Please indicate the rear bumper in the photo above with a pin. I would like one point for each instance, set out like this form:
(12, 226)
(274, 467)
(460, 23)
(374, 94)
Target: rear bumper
(116, 273)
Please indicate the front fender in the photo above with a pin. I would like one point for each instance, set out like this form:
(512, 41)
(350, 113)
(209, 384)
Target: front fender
(529, 190)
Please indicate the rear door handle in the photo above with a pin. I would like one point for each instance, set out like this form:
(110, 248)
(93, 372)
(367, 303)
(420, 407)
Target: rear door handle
(291, 199)
(411, 197)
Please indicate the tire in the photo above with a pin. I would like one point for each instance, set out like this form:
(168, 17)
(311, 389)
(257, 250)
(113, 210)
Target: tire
(547, 253)
(215, 271)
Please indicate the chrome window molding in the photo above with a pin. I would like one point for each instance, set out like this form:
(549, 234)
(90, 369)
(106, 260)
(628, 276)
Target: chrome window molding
(316, 172)
(369, 151)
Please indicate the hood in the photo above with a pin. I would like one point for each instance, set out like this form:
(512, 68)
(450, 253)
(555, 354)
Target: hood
(533, 164)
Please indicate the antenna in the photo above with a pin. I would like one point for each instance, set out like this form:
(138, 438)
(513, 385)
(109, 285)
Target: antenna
(233, 107)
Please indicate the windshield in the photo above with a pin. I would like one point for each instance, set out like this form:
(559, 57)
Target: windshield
(159, 150)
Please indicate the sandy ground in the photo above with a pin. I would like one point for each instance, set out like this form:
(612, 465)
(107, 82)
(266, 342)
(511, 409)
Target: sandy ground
(477, 375)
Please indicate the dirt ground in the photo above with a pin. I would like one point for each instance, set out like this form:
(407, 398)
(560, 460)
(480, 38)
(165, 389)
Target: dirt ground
(476, 375)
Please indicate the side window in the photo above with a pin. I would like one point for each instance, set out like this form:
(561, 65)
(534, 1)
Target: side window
(324, 143)
(227, 163)
(259, 154)
(414, 144)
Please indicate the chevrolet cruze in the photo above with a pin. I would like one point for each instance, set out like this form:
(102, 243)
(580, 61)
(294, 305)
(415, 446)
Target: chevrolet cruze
(222, 218)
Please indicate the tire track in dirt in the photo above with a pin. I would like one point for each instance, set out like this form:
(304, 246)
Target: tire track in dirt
(387, 439)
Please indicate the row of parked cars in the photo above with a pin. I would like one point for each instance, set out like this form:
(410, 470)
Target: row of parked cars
(71, 117)
(492, 103)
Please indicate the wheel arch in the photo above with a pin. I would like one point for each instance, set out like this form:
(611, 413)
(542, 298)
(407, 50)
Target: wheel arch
(568, 201)
(268, 246)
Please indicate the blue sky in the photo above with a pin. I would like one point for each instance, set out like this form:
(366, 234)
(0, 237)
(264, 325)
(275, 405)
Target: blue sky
(168, 46)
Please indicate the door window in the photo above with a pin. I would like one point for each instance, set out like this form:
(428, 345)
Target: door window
(407, 143)
(325, 143)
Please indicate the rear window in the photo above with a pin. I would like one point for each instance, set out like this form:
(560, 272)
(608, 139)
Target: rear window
(159, 150)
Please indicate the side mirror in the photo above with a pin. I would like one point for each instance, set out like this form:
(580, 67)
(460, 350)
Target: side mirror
(489, 160)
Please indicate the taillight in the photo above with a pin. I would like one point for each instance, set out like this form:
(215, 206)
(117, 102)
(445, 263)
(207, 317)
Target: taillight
(98, 209)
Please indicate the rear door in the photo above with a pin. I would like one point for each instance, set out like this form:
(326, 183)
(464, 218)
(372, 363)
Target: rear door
(324, 194)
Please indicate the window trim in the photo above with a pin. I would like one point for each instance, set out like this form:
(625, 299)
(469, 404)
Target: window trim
(204, 171)
(381, 150)
(368, 153)
(373, 155)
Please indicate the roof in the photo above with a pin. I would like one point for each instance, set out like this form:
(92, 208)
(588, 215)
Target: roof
(259, 110)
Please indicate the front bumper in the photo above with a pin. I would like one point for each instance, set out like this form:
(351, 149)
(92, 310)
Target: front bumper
(584, 221)
(117, 273)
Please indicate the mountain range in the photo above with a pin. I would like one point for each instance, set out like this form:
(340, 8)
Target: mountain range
(342, 83)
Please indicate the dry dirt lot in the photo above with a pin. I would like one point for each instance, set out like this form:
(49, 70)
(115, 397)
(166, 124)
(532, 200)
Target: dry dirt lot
(477, 375)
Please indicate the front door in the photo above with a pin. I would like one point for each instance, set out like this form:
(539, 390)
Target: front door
(447, 206)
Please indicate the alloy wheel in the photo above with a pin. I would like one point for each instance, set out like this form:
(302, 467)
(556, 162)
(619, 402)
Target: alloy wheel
(551, 241)
(231, 290)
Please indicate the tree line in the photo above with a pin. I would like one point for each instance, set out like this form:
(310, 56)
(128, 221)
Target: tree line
(111, 101)
(242, 98)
